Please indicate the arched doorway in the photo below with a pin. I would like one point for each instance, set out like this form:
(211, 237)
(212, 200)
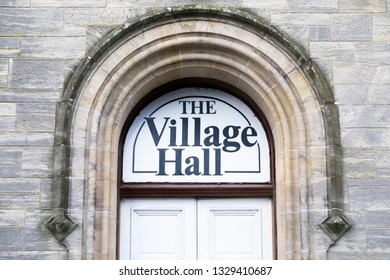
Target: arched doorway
(197, 179)
(232, 49)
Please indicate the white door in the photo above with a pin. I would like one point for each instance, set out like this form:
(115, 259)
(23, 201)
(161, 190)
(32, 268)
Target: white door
(196, 229)
(235, 229)
(158, 229)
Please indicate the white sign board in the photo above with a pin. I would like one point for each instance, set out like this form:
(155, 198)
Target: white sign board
(199, 136)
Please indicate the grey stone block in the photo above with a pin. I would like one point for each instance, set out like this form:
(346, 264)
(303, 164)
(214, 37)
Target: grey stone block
(379, 94)
(338, 51)
(383, 173)
(135, 13)
(365, 138)
(7, 109)
(368, 182)
(86, 16)
(378, 219)
(351, 27)
(378, 239)
(359, 165)
(379, 255)
(229, 3)
(351, 93)
(9, 43)
(37, 163)
(46, 193)
(369, 198)
(373, 6)
(68, 3)
(21, 22)
(3, 68)
(77, 197)
(29, 255)
(346, 255)
(320, 33)
(38, 74)
(25, 96)
(3, 81)
(19, 185)
(3, 74)
(381, 33)
(36, 117)
(359, 153)
(382, 75)
(349, 73)
(373, 53)
(12, 53)
(300, 19)
(9, 171)
(128, 3)
(19, 201)
(313, 6)
(359, 255)
(12, 218)
(31, 139)
(381, 19)
(11, 239)
(7, 123)
(53, 47)
(14, 3)
(382, 159)
(37, 108)
(357, 116)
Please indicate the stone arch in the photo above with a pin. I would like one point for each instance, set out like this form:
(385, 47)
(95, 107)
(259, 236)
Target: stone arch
(235, 49)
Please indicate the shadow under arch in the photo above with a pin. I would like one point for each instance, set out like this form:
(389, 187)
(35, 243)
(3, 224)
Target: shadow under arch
(229, 46)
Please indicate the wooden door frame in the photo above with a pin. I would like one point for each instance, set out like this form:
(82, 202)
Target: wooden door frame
(197, 190)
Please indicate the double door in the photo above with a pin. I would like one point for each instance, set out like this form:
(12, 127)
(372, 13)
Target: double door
(196, 228)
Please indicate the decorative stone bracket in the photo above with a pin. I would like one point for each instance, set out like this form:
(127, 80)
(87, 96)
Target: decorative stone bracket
(60, 225)
(335, 225)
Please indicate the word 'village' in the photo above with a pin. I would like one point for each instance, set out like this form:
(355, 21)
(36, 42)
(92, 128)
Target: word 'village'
(228, 137)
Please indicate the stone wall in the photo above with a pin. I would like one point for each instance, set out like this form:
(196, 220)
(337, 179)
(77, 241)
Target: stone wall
(43, 41)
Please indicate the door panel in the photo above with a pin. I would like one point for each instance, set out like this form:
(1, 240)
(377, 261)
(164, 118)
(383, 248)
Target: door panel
(235, 228)
(196, 229)
(158, 229)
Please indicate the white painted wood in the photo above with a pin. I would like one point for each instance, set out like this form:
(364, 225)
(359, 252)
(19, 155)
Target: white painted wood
(158, 229)
(196, 229)
(235, 228)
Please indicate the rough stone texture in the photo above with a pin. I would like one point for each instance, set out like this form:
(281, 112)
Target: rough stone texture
(36, 117)
(68, 3)
(375, 6)
(301, 19)
(11, 239)
(14, 3)
(53, 47)
(42, 42)
(320, 33)
(29, 22)
(351, 27)
(39, 73)
(313, 6)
